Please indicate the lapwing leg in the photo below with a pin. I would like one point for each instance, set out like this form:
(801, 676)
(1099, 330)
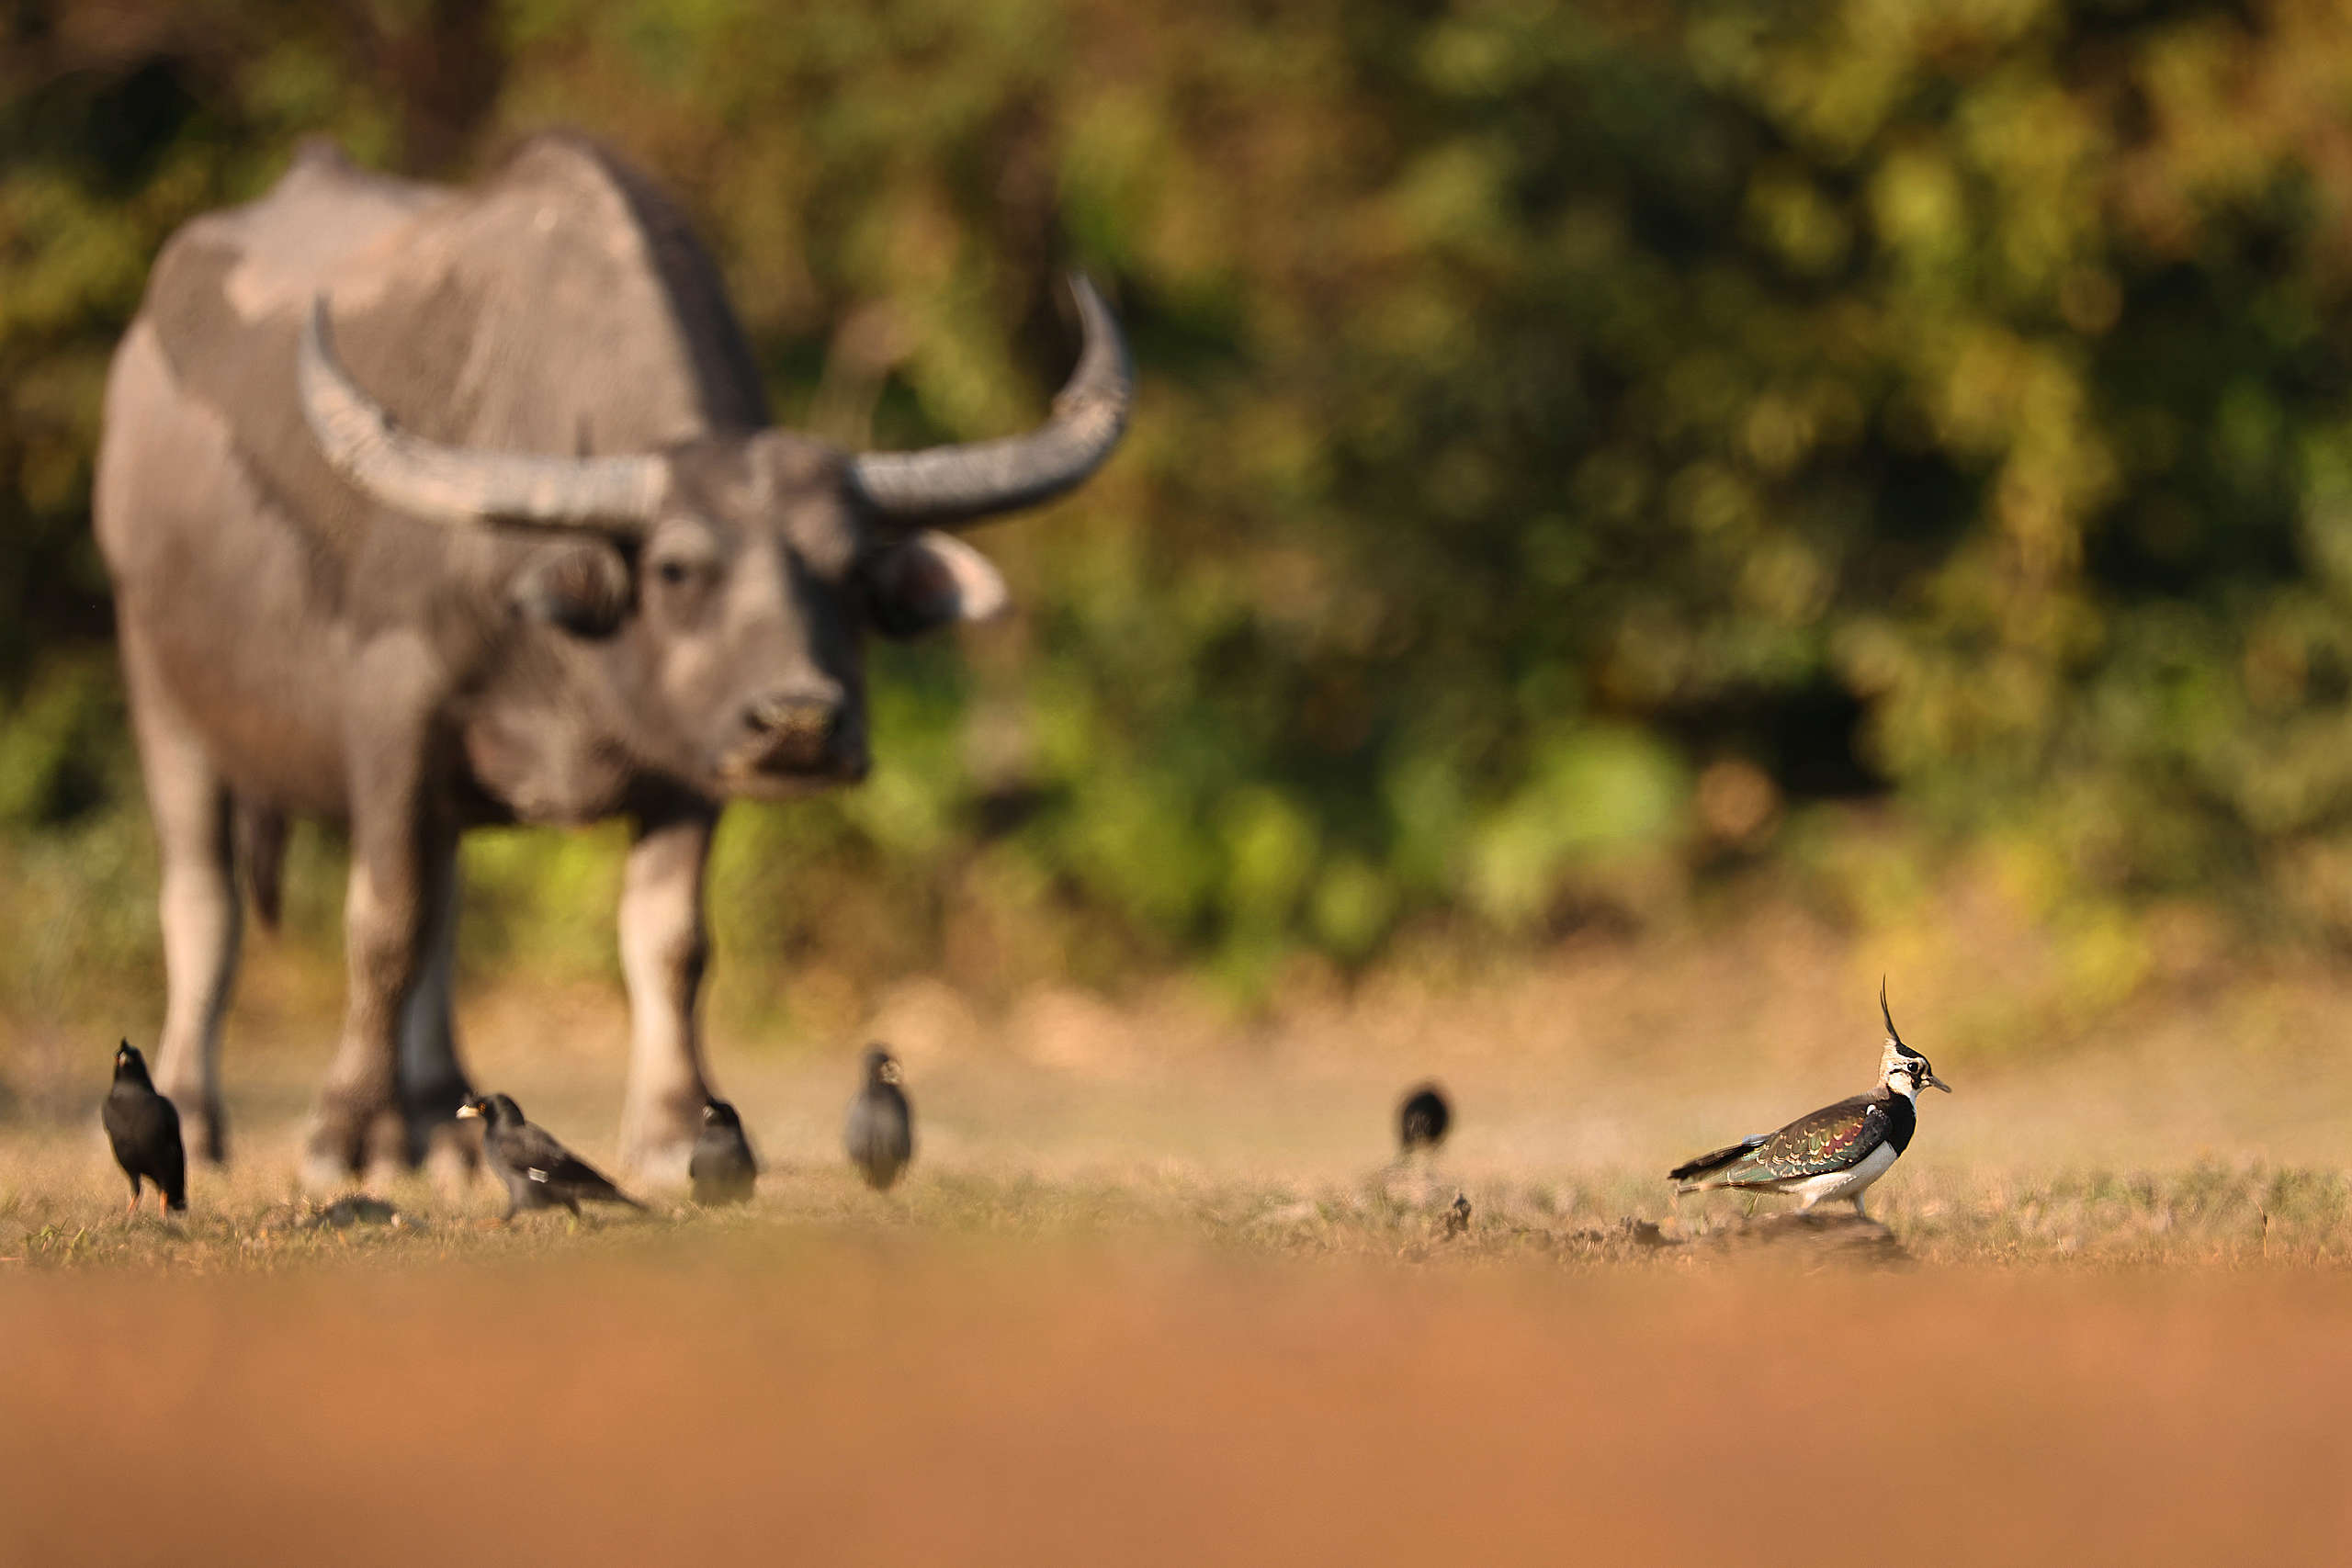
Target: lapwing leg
(133, 1211)
(1859, 1213)
(1704, 1224)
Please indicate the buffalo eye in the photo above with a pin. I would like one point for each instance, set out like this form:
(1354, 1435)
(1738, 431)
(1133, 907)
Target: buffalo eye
(581, 588)
(682, 556)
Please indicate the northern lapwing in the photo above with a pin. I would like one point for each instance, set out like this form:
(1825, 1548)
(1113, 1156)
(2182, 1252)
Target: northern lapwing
(539, 1172)
(1838, 1150)
(144, 1129)
(1422, 1121)
(879, 1133)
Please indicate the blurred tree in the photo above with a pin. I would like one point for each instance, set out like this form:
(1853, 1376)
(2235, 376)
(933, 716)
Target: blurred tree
(1571, 434)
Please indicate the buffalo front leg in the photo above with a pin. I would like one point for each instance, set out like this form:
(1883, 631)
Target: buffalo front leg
(198, 909)
(432, 1083)
(663, 949)
(358, 1121)
(399, 845)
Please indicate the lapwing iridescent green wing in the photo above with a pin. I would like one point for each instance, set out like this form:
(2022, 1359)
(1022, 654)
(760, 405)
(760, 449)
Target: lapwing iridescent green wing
(1838, 1151)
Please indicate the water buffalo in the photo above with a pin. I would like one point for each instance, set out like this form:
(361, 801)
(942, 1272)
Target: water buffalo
(428, 508)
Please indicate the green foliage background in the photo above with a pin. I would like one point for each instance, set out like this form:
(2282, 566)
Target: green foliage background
(1576, 443)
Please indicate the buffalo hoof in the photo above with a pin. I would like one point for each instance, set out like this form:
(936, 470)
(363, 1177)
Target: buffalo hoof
(204, 1129)
(450, 1154)
(431, 1133)
(660, 1167)
(452, 1164)
(341, 1148)
(658, 1142)
(329, 1165)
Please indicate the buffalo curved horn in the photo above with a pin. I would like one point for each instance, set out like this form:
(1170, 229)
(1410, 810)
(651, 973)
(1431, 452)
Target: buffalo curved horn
(948, 484)
(455, 484)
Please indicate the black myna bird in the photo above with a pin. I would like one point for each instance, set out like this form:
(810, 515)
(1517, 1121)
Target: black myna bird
(1422, 1121)
(880, 1132)
(724, 1168)
(145, 1131)
(1835, 1152)
(539, 1173)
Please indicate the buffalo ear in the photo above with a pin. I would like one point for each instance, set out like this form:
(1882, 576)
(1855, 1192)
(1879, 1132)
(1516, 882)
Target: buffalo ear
(579, 587)
(930, 579)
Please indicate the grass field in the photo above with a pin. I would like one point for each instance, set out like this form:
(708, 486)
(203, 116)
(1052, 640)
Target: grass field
(1154, 1294)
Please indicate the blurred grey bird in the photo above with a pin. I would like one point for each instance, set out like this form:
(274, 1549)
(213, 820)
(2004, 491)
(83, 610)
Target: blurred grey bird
(539, 1172)
(1422, 1121)
(880, 1132)
(724, 1168)
(144, 1129)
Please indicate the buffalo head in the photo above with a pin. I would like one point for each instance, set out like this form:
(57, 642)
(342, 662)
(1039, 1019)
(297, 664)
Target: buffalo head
(725, 582)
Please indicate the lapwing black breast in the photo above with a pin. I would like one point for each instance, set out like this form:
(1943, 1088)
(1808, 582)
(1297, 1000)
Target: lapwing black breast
(145, 1130)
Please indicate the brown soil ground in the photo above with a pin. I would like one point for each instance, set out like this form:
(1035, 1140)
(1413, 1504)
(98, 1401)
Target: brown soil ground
(887, 1399)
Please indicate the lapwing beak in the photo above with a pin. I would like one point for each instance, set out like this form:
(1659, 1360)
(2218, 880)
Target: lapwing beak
(467, 1112)
(1930, 1078)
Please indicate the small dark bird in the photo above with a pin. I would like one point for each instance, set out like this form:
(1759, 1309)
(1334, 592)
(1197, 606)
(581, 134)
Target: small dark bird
(723, 1167)
(1422, 1121)
(145, 1131)
(880, 1132)
(539, 1173)
(1835, 1152)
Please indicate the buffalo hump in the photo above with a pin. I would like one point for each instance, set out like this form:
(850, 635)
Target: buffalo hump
(561, 307)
